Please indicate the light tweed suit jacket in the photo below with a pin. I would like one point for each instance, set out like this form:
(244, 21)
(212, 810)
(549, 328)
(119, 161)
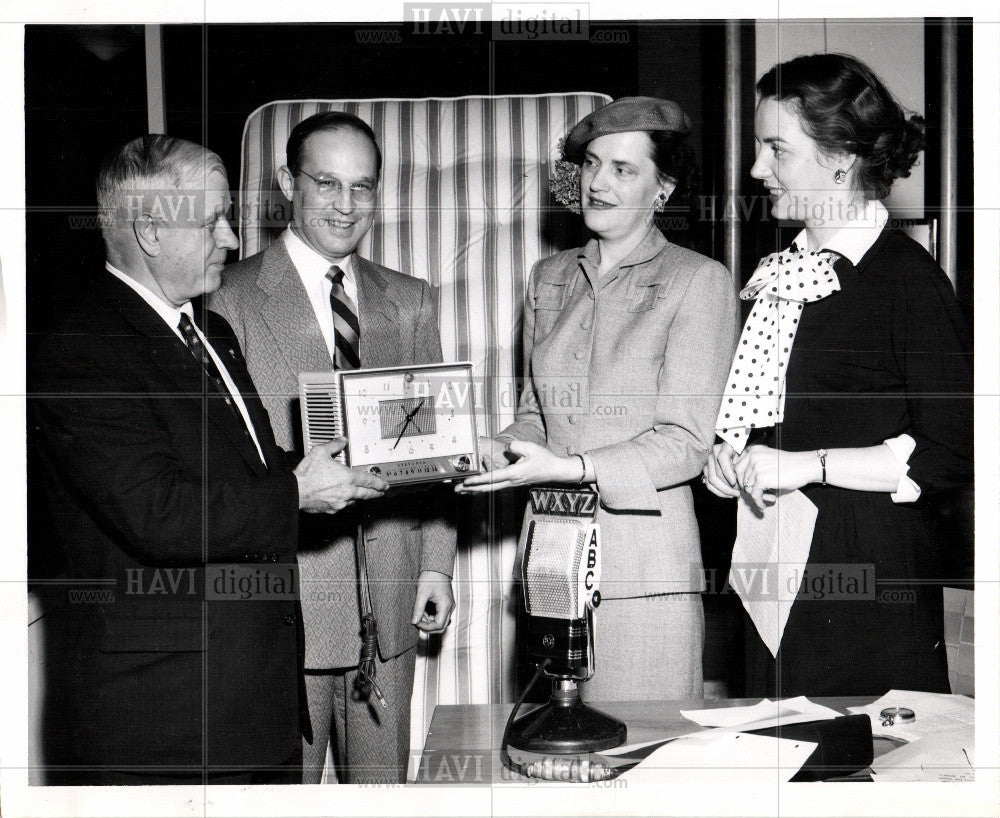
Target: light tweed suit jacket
(263, 299)
(630, 368)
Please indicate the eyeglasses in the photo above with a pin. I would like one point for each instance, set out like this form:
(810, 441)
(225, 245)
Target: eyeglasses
(329, 188)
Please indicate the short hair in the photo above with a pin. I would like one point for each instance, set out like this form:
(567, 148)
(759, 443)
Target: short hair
(148, 163)
(845, 108)
(327, 121)
(674, 159)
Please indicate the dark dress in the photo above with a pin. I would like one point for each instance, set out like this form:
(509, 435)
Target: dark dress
(888, 354)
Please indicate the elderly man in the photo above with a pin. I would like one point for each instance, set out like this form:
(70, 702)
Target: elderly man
(306, 303)
(167, 491)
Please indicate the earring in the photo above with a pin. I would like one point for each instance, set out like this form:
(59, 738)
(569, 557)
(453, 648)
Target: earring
(840, 176)
(660, 204)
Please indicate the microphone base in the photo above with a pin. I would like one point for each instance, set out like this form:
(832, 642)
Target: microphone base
(566, 727)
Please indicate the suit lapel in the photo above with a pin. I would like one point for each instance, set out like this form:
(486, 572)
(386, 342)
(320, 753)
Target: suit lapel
(167, 351)
(228, 350)
(378, 316)
(172, 357)
(287, 313)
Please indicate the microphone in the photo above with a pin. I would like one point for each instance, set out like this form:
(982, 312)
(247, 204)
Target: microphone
(560, 564)
(560, 571)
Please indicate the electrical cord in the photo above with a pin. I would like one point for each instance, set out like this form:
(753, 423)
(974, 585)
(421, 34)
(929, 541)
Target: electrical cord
(550, 768)
(505, 758)
(364, 682)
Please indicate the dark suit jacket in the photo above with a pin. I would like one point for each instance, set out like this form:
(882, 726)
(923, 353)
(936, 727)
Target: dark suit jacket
(263, 299)
(155, 491)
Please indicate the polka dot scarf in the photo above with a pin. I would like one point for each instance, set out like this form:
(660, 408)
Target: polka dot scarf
(755, 392)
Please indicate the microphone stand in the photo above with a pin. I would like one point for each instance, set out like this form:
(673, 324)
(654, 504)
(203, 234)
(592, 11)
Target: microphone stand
(566, 725)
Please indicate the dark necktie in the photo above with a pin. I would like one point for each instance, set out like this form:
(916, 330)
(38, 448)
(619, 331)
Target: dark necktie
(345, 323)
(197, 348)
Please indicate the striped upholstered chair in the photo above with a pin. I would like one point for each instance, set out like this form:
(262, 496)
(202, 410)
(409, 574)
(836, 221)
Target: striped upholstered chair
(466, 207)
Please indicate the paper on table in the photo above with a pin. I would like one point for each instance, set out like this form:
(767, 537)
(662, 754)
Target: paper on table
(769, 559)
(935, 713)
(720, 756)
(627, 749)
(765, 713)
(939, 757)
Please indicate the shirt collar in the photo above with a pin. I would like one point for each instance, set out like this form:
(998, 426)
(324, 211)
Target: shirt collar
(310, 264)
(168, 312)
(650, 246)
(854, 239)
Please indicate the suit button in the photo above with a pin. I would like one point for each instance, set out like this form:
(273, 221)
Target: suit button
(578, 354)
(289, 620)
(571, 418)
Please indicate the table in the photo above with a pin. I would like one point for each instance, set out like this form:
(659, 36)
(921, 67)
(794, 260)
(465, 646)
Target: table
(463, 743)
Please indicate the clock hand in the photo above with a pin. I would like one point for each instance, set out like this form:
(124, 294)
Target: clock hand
(402, 431)
(409, 415)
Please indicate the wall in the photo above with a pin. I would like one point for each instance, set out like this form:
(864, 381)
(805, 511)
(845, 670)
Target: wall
(893, 48)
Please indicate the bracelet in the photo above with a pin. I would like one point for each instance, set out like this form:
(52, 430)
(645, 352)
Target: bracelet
(821, 454)
(583, 465)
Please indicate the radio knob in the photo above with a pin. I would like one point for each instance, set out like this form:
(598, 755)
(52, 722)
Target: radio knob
(374, 470)
(463, 463)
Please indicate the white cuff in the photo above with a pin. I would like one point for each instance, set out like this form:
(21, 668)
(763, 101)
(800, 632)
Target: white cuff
(902, 447)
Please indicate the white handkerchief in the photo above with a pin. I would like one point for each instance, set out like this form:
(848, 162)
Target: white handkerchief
(769, 560)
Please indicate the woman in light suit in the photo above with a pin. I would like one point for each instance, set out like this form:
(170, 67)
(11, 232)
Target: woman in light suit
(627, 342)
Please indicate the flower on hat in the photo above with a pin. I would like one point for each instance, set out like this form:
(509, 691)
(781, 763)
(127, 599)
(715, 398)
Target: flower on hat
(564, 181)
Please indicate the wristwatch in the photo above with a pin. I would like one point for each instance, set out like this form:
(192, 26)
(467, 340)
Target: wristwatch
(821, 454)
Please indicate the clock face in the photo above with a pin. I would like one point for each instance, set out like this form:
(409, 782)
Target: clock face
(405, 415)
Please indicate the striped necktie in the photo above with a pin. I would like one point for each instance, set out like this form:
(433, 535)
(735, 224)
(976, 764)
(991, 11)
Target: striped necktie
(345, 323)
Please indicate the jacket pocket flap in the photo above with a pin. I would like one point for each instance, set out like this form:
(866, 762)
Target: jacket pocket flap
(550, 295)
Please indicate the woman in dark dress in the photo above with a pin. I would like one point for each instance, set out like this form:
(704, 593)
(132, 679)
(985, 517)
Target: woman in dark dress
(852, 382)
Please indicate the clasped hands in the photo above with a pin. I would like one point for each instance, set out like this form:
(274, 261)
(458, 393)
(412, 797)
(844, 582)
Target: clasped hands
(760, 473)
(532, 464)
(327, 486)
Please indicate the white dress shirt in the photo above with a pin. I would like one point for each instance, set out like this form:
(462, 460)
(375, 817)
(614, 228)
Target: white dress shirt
(852, 242)
(312, 269)
(171, 316)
